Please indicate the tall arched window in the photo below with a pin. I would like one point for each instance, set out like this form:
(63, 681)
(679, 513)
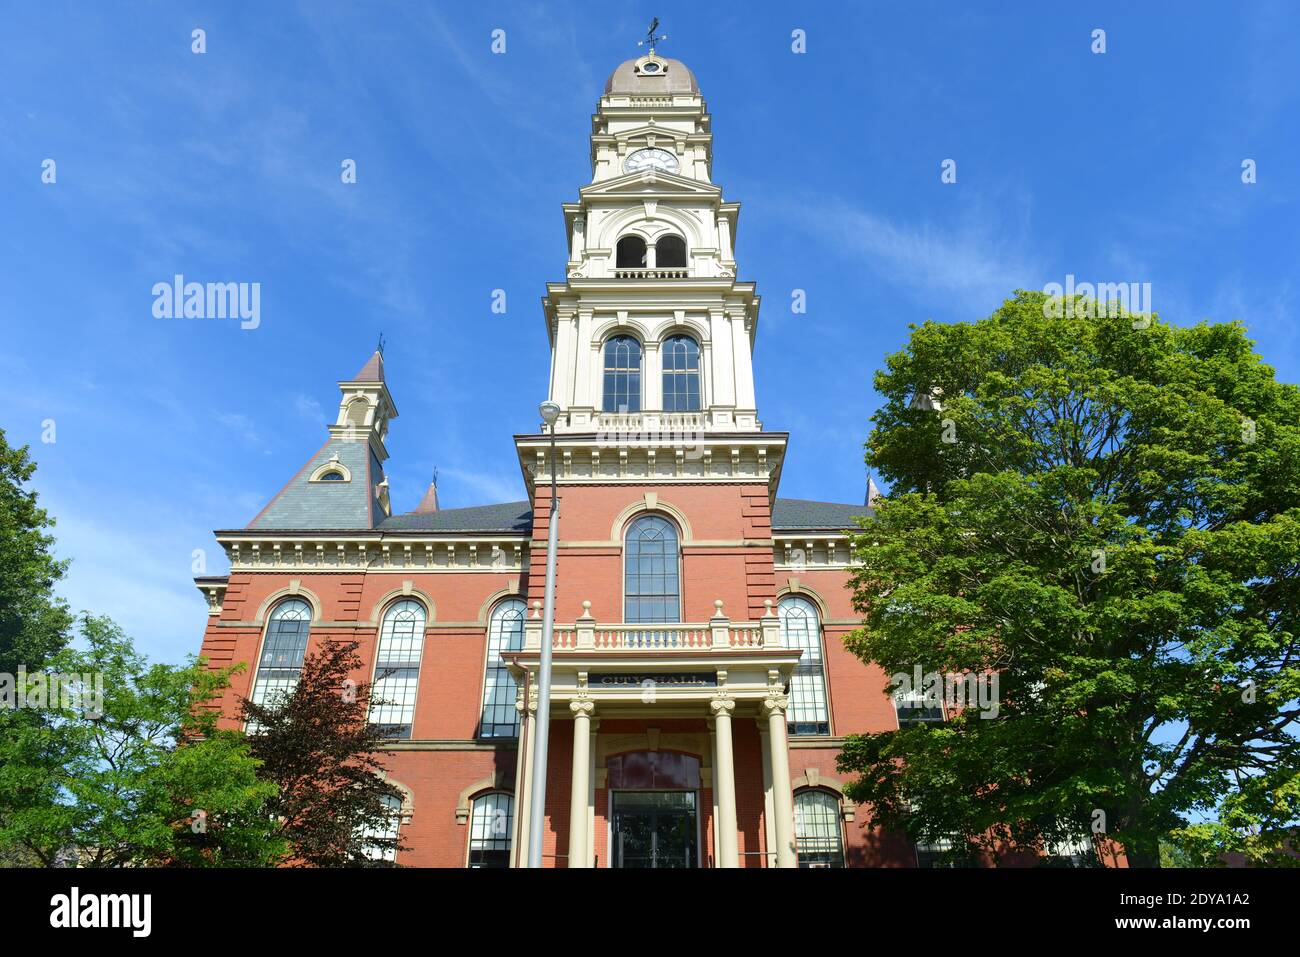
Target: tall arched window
(801, 628)
(283, 649)
(379, 841)
(630, 253)
(651, 586)
(622, 375)
(817, 834)
(670, 251)
(681, 357)
(491, 824)
(505, 633)
(397, 668)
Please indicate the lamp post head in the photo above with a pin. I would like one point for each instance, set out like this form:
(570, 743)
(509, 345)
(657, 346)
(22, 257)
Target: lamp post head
(550, 412)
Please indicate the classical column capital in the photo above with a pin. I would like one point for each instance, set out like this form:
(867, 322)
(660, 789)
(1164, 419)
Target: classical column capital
(776, 704)
(722, 707)
(582, 708)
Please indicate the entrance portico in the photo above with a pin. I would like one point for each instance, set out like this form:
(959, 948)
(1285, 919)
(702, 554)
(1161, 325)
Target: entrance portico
(641, 676)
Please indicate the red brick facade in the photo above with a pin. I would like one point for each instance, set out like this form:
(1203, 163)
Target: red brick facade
(726, 554)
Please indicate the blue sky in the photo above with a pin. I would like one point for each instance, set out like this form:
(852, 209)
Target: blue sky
(1123, 166)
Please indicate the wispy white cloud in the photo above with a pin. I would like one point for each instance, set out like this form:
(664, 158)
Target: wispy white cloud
(463, 487)
(142, 580)
(240, 425)
(308, 407)
(980, 258)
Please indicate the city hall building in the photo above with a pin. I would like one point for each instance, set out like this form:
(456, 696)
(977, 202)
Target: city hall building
(701, 686)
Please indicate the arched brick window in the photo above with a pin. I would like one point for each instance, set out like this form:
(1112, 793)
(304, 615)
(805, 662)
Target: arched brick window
(818, 833)
(651, 582)
(397, 668)
(283, 648)
(505, 633)
(491, 824)
(801, 628)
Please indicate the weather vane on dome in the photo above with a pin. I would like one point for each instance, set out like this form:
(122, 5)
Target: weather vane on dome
(650, 38)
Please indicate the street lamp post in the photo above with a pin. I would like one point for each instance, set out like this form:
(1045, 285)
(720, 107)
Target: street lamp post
(550, 413)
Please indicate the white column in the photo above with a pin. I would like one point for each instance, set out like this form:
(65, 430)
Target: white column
(744, 363)
(724, 784)
(652, 388)
(769, 814)
(723, 391)
(579, 855)
(579, 240)
(582, 391)
(565, 359)
(523, 790)
(782, 796)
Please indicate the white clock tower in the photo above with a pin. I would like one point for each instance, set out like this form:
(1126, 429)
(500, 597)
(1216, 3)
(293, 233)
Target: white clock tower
(651, 331)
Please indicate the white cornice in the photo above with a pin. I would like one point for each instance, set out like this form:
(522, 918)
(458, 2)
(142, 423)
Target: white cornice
(379, 552)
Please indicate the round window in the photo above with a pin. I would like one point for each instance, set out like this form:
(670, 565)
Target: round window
(650, 68)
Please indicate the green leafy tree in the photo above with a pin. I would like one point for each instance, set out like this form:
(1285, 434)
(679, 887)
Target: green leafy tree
(1105, 510)
(141, 777)
(34, 624)
(319, 747)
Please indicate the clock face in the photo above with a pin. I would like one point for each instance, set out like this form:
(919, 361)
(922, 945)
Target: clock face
(655, 159)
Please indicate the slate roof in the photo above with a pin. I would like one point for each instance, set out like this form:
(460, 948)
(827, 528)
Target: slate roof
(506, 517)
(303, 504)
(790, 513)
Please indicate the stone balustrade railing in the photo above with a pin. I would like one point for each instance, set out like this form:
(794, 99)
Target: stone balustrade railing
(586, 634)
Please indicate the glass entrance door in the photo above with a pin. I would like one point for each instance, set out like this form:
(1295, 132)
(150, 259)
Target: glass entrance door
(655, 829)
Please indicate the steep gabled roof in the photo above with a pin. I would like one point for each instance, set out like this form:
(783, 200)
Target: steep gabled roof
(304, 504)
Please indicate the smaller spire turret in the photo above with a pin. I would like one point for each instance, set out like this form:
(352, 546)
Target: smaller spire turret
(430, 501)
(873, 492)
(365, 406)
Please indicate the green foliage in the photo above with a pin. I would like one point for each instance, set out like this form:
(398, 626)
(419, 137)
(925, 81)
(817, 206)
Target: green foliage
(33, 623)
(319, 747)
(120, 782)
(1116, 531)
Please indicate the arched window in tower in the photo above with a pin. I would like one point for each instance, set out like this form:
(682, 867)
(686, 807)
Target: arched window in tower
(630, 253)
(681, 358)
(622, 375)
(817, 834)
(651, 583)
(357, 410)
(802, 629)
(283, 649)
(505, 633)
(397, 668)
(670, 251)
